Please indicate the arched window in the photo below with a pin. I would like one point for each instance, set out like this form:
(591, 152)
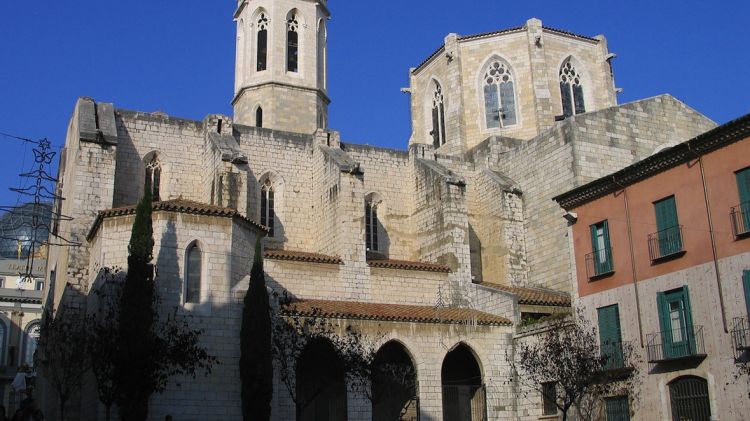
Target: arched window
(371, 225)
(571, 90)
(292, 42)
(266, 206)
(499, 95)
(689, 399)
(153, 176)
(31, 339)
(322, 59)
(259, 117)
(438, 116)
(193, 274)
(262, 42)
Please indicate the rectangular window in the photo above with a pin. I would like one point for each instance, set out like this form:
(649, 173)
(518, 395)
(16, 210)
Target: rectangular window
(610, 336)
(676, 321)
(668, 234)
(39, 285)
(617, 408)
(549, 397)
(602, 250)
(491, 106)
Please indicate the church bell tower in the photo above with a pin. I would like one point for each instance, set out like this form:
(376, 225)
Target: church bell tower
(281, 66)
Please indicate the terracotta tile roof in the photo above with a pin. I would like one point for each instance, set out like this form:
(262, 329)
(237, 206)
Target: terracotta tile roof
(534, 296)
(392, 312)
(175, 205)
(407, 265)
(301, 256)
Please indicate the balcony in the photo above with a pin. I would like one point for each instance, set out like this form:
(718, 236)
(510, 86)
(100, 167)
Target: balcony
(740, 335)
(616, 360)
(741, 220)
(600, 264)
(677, 344)
(665, 244)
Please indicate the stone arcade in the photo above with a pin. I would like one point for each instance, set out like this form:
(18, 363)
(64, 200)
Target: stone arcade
(441, 247)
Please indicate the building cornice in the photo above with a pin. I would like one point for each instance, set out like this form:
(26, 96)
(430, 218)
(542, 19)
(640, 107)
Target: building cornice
(318, 92)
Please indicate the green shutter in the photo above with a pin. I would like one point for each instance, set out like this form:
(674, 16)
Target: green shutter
(666, 214)
(606, 235)
(663, 308)
(746, 287)
(743, 185)
(667, 224)
(610, 336)
(689, 320)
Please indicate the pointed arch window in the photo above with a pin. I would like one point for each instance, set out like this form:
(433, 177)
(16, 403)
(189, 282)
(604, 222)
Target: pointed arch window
(153, 177)
(266, 206)
(259, 117)
(193, 274)
(571, 90)
(499, 96)
(371, 226)
(438, 117)
(292, 43)
(262, 47)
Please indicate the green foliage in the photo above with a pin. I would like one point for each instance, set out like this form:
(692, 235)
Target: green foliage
(135, 364)
(256, 364)
(141, 246)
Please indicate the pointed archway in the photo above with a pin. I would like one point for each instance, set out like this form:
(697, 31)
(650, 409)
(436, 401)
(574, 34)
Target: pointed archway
(463, 392)
(394, 385)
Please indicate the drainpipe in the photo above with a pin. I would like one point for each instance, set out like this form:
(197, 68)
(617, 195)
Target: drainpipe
(713, 239)
(632, 261)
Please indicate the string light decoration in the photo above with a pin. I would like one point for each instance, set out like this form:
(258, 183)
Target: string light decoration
(33, 225)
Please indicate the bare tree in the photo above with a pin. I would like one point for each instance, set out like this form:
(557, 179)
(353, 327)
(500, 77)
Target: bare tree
(103, 339)
(566, 355)
(62, 353)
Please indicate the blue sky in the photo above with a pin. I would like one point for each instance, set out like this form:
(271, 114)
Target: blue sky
(178, 57)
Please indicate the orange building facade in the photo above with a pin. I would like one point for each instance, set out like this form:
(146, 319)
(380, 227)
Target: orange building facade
(661, 260)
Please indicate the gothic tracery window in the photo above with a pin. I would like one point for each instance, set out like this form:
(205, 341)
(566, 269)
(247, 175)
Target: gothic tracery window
(571, 90)
(193, 274)
(262, 47)
(438, 117)
(292, 43)
(266, 206)
(499, 96)
(153, 177)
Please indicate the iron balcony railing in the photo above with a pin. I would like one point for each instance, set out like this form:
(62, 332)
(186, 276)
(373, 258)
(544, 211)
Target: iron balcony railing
(675, 344)
(665, 243)
(741, 334)
(741, 219)
(614, 355)
(599, 263)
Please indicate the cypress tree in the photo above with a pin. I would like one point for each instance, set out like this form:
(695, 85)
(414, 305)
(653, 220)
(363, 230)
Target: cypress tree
(256, 367)
(135, 364)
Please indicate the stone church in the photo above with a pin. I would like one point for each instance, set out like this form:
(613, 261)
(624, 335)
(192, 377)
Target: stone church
(441, 248)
